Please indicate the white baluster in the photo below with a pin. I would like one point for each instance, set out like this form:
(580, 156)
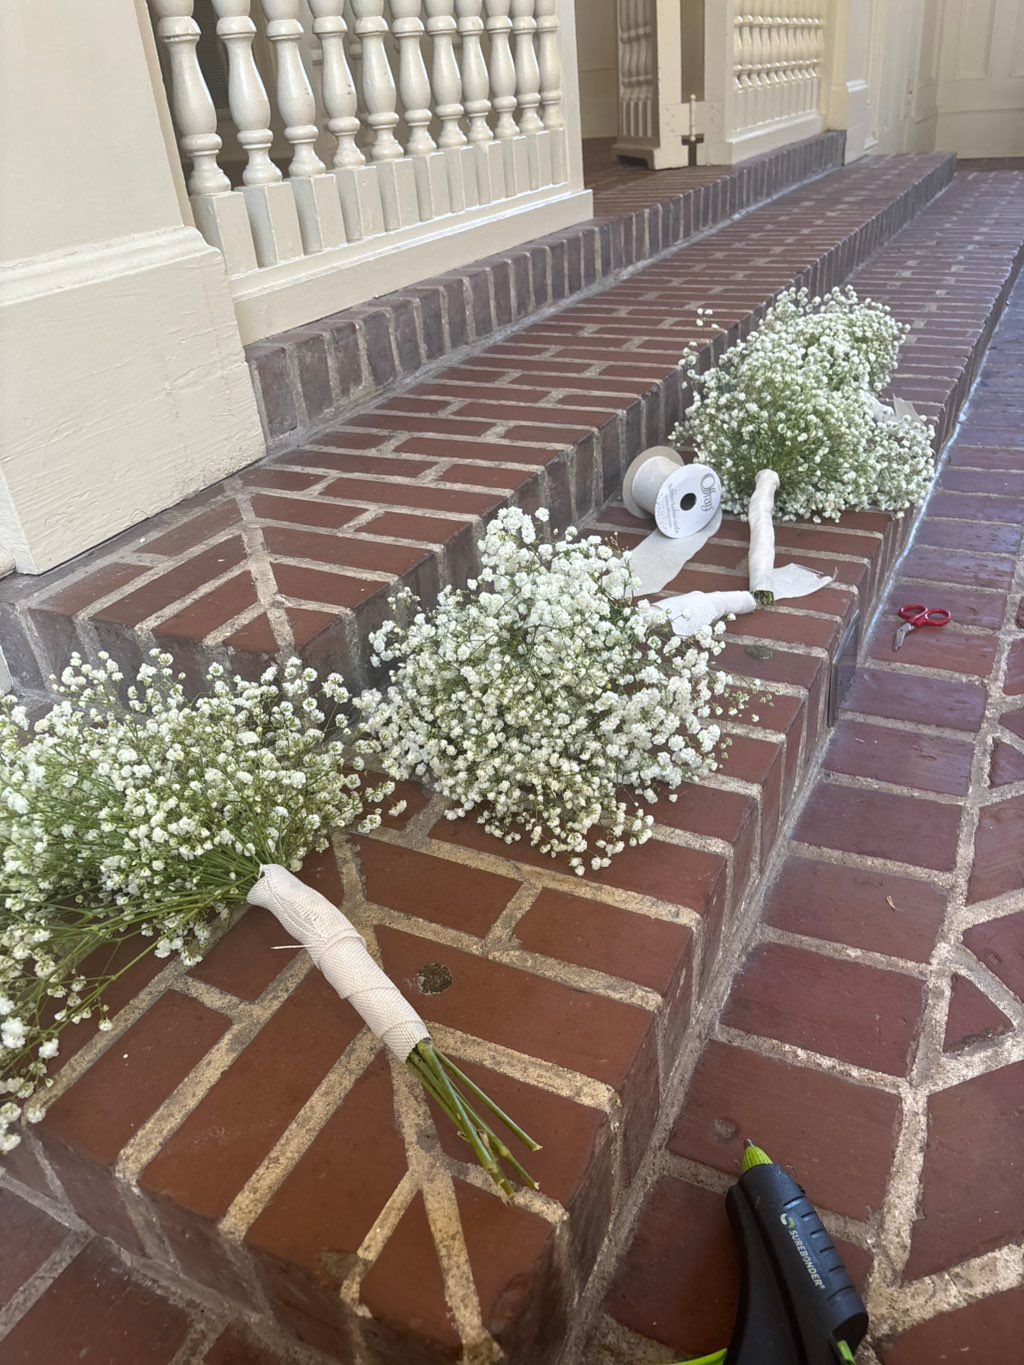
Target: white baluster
(817, 43)
(625, 34)
(627, 66)
(503, 98)
(295, 97)
(808, 39)
(740, 72)
(338, 85)
(803, 69)
(272, 217)
(413, 82)
(354, 47)
(431, 170)
(787, 70)
(219, 213)
(379, 92)
(787, 64)
(445, 72)
(476, 92)
(191, 101)
(503, 70)
(799, 60)
(394, 172)
(358, 191)
(524, 27)
(540, 144)
(460, 158)
(247, 95)
(476, 86)
(775, 65)
(755, 102)
(315, 192)
(550, 62)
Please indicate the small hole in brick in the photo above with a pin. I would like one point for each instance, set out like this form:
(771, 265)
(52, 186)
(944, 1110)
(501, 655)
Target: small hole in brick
(724, 1130)
(432, 979)
(760, 651)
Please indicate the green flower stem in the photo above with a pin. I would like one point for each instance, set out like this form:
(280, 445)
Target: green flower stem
(764, 598)
(474, 1089)
(494, 1142)
(436, 1072)
(455, 1111)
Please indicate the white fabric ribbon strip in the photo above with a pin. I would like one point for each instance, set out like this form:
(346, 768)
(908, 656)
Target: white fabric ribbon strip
(793, 580)
(761, 559)
(658, 559)
(686, 503)
(694, 611)
(882, 412)
(340, 951)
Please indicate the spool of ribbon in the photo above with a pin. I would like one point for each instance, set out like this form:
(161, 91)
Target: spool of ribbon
(685, 501)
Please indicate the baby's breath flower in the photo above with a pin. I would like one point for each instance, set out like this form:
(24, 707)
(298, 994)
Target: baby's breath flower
(550, 703)
(135, 824)
(799, 396)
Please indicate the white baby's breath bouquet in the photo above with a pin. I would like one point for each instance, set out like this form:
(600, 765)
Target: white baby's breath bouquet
(546, 700)
(791, 420)
(132, 817)
(800, 396)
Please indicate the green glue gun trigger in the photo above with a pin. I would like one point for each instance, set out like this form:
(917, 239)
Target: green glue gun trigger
(798, 1305)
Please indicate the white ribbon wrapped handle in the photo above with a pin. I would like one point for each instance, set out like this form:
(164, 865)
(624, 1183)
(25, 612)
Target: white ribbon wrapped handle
(761, 560)
(340, 951)
(693, 611)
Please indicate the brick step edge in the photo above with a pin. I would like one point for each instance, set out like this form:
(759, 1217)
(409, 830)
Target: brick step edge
(309, 377)
(571, 470)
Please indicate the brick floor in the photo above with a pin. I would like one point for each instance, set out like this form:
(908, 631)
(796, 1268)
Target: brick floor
(873, 1040)
(340, 1225)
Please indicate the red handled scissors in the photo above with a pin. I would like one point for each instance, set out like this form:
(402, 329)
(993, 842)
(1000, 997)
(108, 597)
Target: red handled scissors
(917, 616)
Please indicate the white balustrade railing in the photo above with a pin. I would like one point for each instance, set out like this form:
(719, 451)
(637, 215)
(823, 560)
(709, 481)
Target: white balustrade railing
(777, 64)
(763, 77)
(432, 133)
(638, 110)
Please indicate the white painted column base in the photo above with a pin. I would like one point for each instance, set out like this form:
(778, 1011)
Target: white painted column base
(125, 389)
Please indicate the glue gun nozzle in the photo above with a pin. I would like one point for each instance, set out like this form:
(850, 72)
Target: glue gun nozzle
(754, 1156)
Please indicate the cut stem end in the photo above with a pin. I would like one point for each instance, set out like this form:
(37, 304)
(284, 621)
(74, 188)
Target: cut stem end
(457, 1095)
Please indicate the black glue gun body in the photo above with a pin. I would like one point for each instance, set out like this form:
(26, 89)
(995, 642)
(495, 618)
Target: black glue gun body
(798, 1305)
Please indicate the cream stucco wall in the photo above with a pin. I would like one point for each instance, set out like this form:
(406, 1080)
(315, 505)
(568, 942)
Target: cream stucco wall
(596, 33)
(971, 77)
(122, 380)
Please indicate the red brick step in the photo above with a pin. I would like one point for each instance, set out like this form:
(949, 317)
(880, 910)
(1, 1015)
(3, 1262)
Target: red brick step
(301, 552)
(327, 1204)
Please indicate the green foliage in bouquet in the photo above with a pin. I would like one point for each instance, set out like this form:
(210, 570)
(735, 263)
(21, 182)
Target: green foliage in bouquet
(800, 395)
